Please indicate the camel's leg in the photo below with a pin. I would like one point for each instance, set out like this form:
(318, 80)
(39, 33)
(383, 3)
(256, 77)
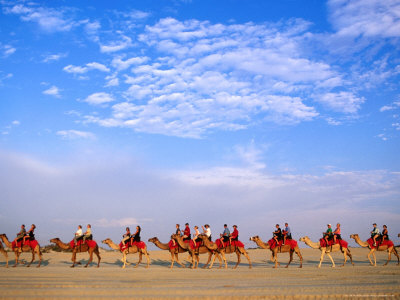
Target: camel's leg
(373, 255)
(124, 259)
(172, 259)
(290, 258)
(5, 255)
(321, 258)
(351, 256)
(212, 262)
(40, 256)
(140, 258)
(300, 257)
(219, 259)
(248, 258)
(178, 261)
(397, 255)
(73, 259)
(208, 260)
(329, 255)
(345, 258)
(238, 259)
(275, 255)
(98, 257)
(16, 258)
(90, 256)
(389, 257)
(33, 258)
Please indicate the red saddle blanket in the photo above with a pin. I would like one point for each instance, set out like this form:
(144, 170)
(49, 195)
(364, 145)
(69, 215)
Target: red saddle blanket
(226, 244)
(272, 243)
(31, 244)
(379, 243)
(194, 246)
(140, 245)
(342, 243)
(171, 245)
(89, 243)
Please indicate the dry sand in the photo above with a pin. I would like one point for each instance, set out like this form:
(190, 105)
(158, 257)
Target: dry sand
(55, 279)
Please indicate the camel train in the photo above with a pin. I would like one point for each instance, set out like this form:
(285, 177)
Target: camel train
(206, 246)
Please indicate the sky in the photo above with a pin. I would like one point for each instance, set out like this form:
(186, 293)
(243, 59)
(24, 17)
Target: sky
(156, 112)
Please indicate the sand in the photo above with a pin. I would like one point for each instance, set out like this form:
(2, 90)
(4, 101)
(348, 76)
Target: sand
(55, 278)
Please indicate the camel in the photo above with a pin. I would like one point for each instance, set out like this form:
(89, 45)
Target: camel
(25, 248)
(129, 250)
(79, 249)
(373, 250)
(195, 253)
(327, 250)
(230, 249)
(276, 250)
(4, 253)
(174, 252)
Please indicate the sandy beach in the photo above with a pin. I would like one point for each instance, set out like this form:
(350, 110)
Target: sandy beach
(55, 279)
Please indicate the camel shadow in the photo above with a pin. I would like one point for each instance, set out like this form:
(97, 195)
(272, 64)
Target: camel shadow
(163, 263)
(119, 263)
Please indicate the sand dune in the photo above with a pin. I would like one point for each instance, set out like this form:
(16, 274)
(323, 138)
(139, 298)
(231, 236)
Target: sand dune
(55, 279)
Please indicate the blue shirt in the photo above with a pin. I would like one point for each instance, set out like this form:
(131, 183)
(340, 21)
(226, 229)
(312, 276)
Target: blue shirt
(226, 232)
(287, 230)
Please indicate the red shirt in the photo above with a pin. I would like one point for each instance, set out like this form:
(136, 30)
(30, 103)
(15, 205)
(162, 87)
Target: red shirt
(186, 231)
(235, 234)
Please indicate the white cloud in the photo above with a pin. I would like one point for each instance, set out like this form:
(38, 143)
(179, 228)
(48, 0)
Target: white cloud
(120, 64)
(89, 66)
(345, 102)
(15, 122)
(7, 50)
(115, 46)
(99, 98)
(394, 105)
(368, 18)
(53, 91)
(75, 134)
(49, 20)
(54, 57)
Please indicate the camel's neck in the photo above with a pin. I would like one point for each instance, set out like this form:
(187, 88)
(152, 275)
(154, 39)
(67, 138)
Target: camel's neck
(161, 245)
(261, 244)
(312, 244)
(209, 245)
(360, 242)
(112, 245)
(63, 245)
(181, 243)
(6, 241)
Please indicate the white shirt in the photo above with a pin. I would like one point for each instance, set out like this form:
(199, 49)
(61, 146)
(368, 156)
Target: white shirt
(208, 232)
(78, 232)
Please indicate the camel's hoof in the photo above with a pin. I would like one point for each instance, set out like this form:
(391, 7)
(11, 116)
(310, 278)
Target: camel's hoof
(72, 266)
(14, 266)
(286, 267)
(86, 266)
(300, 266)
(28, 266)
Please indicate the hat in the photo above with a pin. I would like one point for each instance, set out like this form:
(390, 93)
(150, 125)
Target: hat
(235, 226)
(187, 224)
(225, 225)
(374, 224)
(329, 225)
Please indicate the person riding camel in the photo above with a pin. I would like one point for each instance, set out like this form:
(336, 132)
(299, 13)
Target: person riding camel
(234, 236)
(375, 233)
(20, 236)
(78, 234)
(88, 233)
(126, 236)
(178, 232)
(277, 234)
(207, 231)
(224, 237)
(136, 236)
(336, 233)
(287, 234)
(385, 234)
(30, 234)
(327, 235)
(196, 235)
(186, 233)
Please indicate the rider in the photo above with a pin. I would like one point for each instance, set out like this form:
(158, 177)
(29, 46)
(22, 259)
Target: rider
(126, 236)
(375, 233)
(328, 234)
(196, 234)
(88, 233)
(277, 234)
(78, 234)
(207, 231)
(20, 236)
(136, 236)
(186, 233)
(177, 232)
(385, 234)
(234, 236)
(225, 235)
(29, 235)
(287, 234)
(336, 233)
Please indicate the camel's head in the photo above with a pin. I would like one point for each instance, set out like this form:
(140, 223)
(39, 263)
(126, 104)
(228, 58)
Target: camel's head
(254, 238)
(55, 240)
(354, 235)
(3, 235)
(398, 235)
(304, 238)
(175, 236)
(153, 240)
(106, 241)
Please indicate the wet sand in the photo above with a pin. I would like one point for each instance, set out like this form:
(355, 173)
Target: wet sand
(55, 278)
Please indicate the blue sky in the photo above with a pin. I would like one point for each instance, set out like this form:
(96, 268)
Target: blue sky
(157, 112)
